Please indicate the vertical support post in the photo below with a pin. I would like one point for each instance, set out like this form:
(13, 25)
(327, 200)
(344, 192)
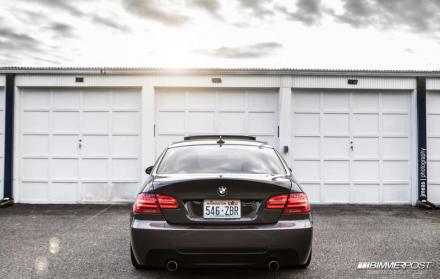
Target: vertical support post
(9, 136)
(421, 141)
(285, 118)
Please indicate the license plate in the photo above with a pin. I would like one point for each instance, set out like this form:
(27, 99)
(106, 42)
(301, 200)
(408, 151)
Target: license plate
(221, 209)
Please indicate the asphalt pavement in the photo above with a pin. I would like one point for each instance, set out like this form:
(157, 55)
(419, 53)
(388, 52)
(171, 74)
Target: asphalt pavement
(92, 241)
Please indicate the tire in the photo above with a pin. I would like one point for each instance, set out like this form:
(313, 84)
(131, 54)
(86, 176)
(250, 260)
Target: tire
(134, 261)
(309, 259)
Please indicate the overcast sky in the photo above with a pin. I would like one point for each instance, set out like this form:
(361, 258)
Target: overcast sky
(355, 34)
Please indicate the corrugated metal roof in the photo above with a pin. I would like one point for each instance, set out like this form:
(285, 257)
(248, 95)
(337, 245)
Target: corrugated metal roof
(263, 71)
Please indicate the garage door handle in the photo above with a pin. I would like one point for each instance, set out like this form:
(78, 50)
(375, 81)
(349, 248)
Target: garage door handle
(351, 146)
(80, 143)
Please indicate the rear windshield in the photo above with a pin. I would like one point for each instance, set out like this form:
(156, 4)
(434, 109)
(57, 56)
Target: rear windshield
(221, 159)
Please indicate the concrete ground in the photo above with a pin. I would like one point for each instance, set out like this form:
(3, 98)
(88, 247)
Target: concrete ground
(91, 241)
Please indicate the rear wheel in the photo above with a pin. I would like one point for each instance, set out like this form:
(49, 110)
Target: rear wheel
(134, 261)
(307, 262)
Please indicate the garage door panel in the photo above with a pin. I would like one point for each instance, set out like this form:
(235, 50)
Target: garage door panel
(63, 192)
(306, 124)
(34, 192)
(94, 192)
(366, 171)
(336, 124)
(365, 102)
(396, 193)
(335, 147)
(92, 169)
(306, 101)
(171, 122)
(64, 145)
(94, 145)
(365, 124)
(125, 146)
(368, 193)
(95, 122)
(125, 169)
(64, 169)
(36, 99)
(395, 171)
(126, 122)
(307, 170)
(395, 102)
(66, 99)
(262, 101)
(171, 99)
(231, 100)
(201, 100)
(201, 122)
(65, 122)
(96, 99)
(434, 192)
(395, 124)
(34, 145)
(33, 168)
(35, 122)
(124, 191)
(126, 99)
(306, 147)
(336, 101)
(336, 171)
(433, 122)
(434, 171)
(434, 148)
(261, 123)
(336, 193)
(231, 122)
(395, 148)
(365, 148)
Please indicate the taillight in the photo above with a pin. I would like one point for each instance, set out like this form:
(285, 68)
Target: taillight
(276, 202)
(292, 203)
(297, 203)
(151, 203)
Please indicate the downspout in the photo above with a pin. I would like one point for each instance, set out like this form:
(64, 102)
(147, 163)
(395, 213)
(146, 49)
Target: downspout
(9, 141)
(422, 151)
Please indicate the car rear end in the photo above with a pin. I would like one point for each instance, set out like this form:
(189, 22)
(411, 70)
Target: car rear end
(187, 220)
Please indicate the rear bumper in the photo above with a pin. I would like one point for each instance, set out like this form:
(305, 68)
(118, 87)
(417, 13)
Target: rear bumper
(155, 242)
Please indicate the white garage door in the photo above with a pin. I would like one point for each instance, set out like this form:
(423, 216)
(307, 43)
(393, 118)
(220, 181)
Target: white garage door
(2, 137)
(79, 145)
(352, 147)
(181, 112)
(433, 134)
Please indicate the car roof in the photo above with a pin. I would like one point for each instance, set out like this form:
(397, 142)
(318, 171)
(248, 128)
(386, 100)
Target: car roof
(195, 142)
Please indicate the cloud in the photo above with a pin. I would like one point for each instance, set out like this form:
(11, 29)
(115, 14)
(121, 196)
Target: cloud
(418, 16)
(12, 40)
(60, 5)
(251, 51)
(257, 7)
(307, 12)
(149, 9)
(107, 22)
(61, 29)
(212, 7)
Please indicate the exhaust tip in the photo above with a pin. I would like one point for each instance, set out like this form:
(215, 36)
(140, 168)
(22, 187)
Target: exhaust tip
(273, 265)
(172, 265)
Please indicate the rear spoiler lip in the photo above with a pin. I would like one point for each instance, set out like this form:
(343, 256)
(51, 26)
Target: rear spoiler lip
(236, 137)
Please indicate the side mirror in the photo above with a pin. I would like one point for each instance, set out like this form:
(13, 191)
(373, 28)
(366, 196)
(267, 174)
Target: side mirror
(149, 169)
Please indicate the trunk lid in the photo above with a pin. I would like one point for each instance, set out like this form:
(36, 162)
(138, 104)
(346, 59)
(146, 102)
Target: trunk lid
(191, 190)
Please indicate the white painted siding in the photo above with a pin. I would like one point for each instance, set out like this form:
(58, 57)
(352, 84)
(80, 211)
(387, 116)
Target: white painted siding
(352, 146)
(79, 145)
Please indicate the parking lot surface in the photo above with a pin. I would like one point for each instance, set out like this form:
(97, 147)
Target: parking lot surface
(92, 241)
